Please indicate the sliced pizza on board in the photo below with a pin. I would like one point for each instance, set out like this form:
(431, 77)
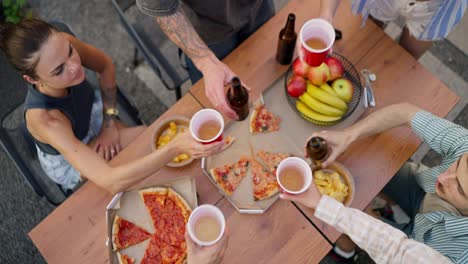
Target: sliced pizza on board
(229, 176)
(262, 120)
(126, 233)
(272, 159)
(125, 259)
(264, 181)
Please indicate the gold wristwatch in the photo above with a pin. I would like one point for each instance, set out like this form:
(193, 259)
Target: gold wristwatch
(112, 112)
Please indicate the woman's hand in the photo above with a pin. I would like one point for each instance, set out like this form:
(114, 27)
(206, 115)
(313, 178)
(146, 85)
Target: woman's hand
(185, 143)
(108, 141)
(337, 142)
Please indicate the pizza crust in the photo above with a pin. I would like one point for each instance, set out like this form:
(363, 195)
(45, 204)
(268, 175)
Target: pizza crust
(123, 261)
(115, 231)
(220, 184)
(253, 118)
(269, 193)
(154, 190)
(181, 201)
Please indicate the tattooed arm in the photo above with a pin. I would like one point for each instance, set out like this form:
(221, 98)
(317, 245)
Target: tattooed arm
(108, 141)
(216, 74)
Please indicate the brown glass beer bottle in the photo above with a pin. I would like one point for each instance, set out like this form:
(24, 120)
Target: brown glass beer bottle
(287, 41)
(238, 98)
(317, 149)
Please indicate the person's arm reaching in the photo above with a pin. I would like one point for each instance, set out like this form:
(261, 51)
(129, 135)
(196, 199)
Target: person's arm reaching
(383, 243)
(383, 119)
(216, 74)
(328, 9)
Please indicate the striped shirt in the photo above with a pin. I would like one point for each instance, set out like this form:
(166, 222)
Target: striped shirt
(384, 243)
(442, 22)
(446, 232)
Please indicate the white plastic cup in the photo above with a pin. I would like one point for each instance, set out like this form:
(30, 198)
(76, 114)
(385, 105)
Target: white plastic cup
(206, 210)
(299, 164)
(200, 118)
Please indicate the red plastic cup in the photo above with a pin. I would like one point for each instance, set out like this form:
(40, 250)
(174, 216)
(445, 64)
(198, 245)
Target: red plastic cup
(316, 28)
(203, 116)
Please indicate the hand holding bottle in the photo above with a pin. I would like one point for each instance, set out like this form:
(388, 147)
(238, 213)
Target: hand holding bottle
(337, 142)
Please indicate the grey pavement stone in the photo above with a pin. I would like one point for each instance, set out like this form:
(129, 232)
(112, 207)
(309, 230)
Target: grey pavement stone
(459, 36)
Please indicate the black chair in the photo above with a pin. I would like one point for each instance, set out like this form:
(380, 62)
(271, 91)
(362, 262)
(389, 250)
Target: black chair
(145, 43)
(19, 146)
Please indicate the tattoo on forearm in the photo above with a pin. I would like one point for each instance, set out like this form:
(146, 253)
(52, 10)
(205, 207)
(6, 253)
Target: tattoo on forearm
(181, 32)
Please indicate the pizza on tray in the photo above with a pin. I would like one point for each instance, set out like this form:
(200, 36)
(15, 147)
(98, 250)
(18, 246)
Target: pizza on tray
(125, 259)
(229, 176)
(126, 233)
(264, 181)
(272, 159)
(169, 213)
(262, 120)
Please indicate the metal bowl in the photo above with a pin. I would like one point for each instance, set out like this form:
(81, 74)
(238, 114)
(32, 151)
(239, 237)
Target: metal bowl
(181, 121)
(350, 73)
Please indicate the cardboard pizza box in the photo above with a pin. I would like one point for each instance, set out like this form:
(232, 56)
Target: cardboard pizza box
(291, 138)
(129, 205)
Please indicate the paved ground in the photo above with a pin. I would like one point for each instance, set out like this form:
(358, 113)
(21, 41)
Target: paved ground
(95, 21)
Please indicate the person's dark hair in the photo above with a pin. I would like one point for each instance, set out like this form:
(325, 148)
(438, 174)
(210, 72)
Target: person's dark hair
(20, 42)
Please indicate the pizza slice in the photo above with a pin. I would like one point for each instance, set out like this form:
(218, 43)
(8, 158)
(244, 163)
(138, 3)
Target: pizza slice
(155, 201)
(262, 120)
(228, 141)
(180, 203)
(153, 252)
(229, 177)
(125, 259)
(271, 159)
(172, 254)
(126, 233)
(264, 182)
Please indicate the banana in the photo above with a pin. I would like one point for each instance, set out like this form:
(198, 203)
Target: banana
(303, 108)
(323, 96)
(320, 107)
(328, 89)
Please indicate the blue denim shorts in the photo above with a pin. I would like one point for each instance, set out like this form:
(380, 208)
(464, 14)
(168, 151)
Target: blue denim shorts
(56, 166)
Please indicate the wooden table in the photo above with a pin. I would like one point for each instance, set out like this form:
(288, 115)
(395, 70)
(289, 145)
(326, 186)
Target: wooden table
(76, 233)
(400, 78)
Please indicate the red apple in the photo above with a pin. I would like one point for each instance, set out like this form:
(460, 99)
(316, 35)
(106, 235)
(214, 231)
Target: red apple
(318, 75)
(343, 88)
(296, 86)
(300, 68)
(335, 66)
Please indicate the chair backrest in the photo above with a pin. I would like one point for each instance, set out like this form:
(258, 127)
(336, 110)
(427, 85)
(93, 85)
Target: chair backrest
(146, 44)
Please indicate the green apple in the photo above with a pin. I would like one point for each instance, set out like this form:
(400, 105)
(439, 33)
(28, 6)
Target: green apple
(343, 88)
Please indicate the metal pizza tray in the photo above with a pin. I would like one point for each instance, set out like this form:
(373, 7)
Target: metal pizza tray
(129, 205)
(291, 138)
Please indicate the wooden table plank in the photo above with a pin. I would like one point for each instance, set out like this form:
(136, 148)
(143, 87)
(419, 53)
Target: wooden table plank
(254, 60)
(75, 232)
(373, 161)
(280, 235)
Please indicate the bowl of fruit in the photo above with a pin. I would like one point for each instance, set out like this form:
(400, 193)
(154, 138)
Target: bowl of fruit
(323, 95)
(165, 132)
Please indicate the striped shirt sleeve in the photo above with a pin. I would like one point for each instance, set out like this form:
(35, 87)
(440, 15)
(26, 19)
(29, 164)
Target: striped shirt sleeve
(443, 136)
(444, 20)
(384, 243)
